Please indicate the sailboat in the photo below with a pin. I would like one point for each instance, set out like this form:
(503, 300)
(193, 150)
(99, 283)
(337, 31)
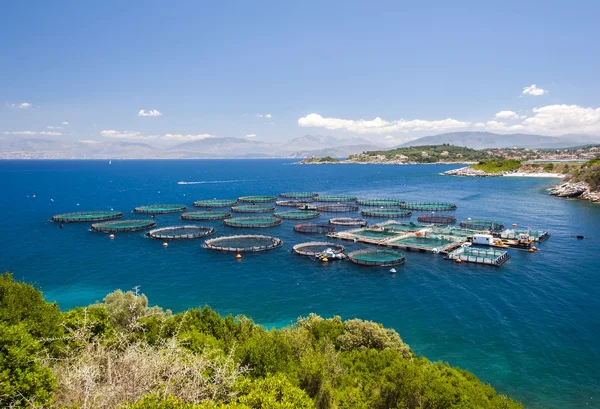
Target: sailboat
(110, 162)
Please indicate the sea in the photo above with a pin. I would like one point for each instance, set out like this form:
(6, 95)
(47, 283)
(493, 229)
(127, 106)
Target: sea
(530, 328)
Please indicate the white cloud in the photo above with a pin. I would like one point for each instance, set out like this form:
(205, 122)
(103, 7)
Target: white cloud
(50, 133)
(65, 123)
(180, 137)
(152, 112)
(479, 125)
(54, 127)
(533, 90)
(20, 133)
(111, 133)
(264, 116)
(131, 135)
(23, 105)
(251, 135)
(380, 126)
(268, 116)
(90, 141)
(507, 115)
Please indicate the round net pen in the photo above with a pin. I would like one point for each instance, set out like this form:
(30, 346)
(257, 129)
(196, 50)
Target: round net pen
(379, 202)
(316, 248)
(253, 222)
(299, 195)
(93, 216)
(335, 199)
(314, 228)
(215, 203)
(428, 206)
(292, 203)
(243, 243)
(252, 209)
(435, 219)
(257, 199)
(338, 208)
(298, 215)
(377, 257)
(389, 213)
(181, 232)
(207, 215)
(160, 208)
(349, 221)
(122, 226)
(483, 225)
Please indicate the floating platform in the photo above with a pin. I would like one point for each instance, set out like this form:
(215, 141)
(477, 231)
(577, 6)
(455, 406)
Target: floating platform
(483, 225)
(243, 243)
(336, 208)
(298, 215)
(299, 195)
(428, 206)
(480, 256)
(389, 213)
(513, 234)
(314, 228)
(349, 221)
(123, 226)
(216, 203)
(91, 216)
(316, 248)
(205, 215)
(293, 203)
(377, 257)
(435, 219)
(379, 202)
(252, 209)
(253, 222)
(160, 208)
(335, 199)
(181, 232)
(257, 199)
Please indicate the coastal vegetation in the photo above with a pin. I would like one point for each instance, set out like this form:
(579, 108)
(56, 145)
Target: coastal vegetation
(122, 353)
(423, 154)
(497, 165)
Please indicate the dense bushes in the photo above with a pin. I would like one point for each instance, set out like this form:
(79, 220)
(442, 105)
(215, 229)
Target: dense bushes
(498, 165)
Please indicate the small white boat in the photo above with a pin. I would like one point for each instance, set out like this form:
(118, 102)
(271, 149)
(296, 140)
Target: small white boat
(393, 270)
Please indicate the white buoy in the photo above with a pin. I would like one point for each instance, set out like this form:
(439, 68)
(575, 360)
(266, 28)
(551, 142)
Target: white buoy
(393, 270)
(165, 244)
(112, 236)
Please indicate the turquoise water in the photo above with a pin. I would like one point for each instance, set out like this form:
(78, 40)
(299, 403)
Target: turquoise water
(530, 327)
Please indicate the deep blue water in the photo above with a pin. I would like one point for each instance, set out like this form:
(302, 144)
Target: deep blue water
(530, 327)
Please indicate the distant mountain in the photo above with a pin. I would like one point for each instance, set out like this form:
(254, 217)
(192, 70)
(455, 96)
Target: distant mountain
(312, 142)
(338, 152)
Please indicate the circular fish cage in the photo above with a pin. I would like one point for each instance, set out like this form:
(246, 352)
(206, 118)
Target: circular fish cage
(492, 225)
(314, 248)
(335, 199)
(348, 221)
(379, 202)
(92, 216)
(299, 195)
(252, 209)
(243, 243)
(315, 228)
(389, 213)
(257, 199)
(338, 208)
(205, 215)
(253, 222)
(428, 206)
(292, 203)
(181, 232)
(377, 257)
(298, 215)
(216, 203)
(160, 208)
(122, 226)
(437, 219)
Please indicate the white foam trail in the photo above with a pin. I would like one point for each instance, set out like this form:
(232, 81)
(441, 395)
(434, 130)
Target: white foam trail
(211, 181)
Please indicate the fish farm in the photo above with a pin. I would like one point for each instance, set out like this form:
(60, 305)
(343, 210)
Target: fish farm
(93, 216)
(298, 215)
(123, 226)
(292, 203)
(336, 199)
(337, 208)
(428, 206)
(435, 219)
(181, 232)
(299, 195)
(479, 255)
(216, 203)
(379, 202)
(257, 199)
(206, 215)
(483, 225)
(252, 209)
(377, 257)
(160, 208)
(243, 243)
(315, 248)
(348, 221)
(314, 228)
(389, 213)
(253, 222)
(535, 235)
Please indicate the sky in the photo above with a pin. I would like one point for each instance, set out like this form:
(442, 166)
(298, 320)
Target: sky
(167, 72)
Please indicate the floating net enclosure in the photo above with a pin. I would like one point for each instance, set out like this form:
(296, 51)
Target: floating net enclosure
(123, 226)
(379, 202)
(257, 199)
(348, 221)
(298, 215)
(336, 199)
(428, 206)
(253, 222)
(216, 203)
(252, 209)
(299, 195)
(389, 213)
(375, 233)
(292, 203)
(483, 225)
(435, 219)
(314, 248)
(317, 228)
(160, 208)
(243, 243)
(205, 215)
(377, 257)
(479, 255)
(181, 232)
(337, 208)
(92, 216)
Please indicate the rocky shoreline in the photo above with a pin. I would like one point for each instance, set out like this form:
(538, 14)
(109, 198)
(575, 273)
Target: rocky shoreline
(470, 172)
(579, 190)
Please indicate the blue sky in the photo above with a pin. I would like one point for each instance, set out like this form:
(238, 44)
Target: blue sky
(383, 71)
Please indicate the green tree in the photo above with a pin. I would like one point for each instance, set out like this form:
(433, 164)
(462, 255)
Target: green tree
(125, 308)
